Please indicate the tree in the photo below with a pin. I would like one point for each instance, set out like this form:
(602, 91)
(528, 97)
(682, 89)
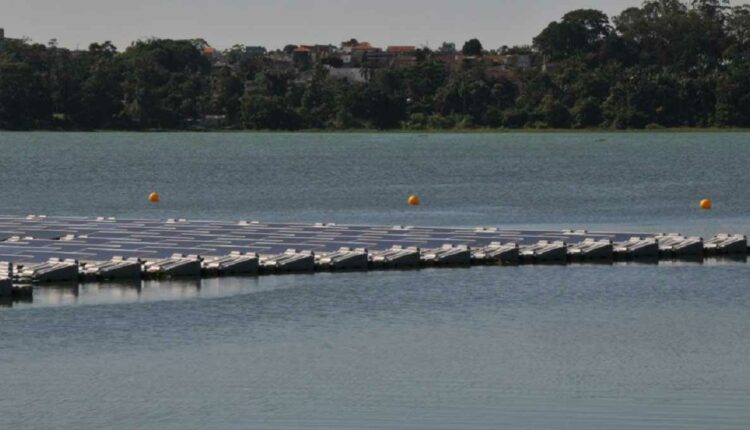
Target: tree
(579, 32)
(24, 101)
(447, 48)
(268, 113)
(666, 62)
(587, 113)
(101, 89)
(381, 103)
(553, 113)
(165, 83)
(472, 47)
(668, 33)
(318, 102)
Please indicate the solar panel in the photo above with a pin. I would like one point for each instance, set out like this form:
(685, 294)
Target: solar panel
(104, 238)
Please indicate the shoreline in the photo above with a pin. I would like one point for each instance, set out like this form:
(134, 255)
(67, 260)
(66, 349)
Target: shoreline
(405, 131)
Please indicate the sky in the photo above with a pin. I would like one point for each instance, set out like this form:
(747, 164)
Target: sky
(223, 23)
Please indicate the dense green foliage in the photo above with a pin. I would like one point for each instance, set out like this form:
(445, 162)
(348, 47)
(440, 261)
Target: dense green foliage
(664, 64)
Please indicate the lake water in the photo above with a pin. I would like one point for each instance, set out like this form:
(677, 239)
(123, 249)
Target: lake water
(579, 347)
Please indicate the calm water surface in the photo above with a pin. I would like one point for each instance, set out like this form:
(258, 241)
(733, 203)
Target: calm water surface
(577, 347)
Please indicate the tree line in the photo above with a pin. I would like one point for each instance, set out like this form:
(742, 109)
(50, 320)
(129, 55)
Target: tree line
(666, 63)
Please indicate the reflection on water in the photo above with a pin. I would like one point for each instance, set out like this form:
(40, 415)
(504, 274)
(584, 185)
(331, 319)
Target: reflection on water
(185, 289)
(584, 347)
(146, 291)
(7, 302)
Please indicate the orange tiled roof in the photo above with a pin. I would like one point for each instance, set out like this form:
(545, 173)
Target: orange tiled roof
(362, 46)
(401, 49)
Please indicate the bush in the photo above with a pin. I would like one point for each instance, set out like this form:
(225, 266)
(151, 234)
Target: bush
(515, 118)
(464, 121)
(587, 113)
(437, 121)
(417, 121)
(554, 113)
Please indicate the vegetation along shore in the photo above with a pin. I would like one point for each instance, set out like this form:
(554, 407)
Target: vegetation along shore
(665, 64)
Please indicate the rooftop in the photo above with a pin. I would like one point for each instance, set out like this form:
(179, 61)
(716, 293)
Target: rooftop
(364, 46)
(401, 49)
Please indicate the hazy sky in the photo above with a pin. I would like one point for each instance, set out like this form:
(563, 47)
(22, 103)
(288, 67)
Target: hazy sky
(275, 23)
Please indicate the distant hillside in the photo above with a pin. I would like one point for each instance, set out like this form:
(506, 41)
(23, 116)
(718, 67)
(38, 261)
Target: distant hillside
(664, 64)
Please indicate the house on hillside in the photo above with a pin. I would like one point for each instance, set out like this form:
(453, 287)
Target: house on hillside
(401, 50)
(376, 59)
(450, 59)
(519, 61)
(4, 39)
(402, 56)
(356, 75)
(349, 74)
(404, 61)
(302, 57)
(357, 47)
(319, 52)
(280, 61)
(215, 57)
(360, 52)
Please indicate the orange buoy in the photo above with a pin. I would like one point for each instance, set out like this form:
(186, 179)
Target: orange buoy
(706, 204)
(154, 197)
(414, 200)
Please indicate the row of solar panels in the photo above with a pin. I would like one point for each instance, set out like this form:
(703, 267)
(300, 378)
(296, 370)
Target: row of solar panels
(35, 239)
(98, 236)
(239, 263)
(93, 249)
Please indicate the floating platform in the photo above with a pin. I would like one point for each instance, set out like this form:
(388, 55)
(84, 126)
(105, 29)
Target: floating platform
(677, 245)
(290, 261)
(447, 255)
(396, 257)
(591, 250)
(118, 268)
(638, 248)
(6, 279)
(52, 270)
(726, 244)
(235, 264)
(343, 259)
(545, 251)
(38, 249)
(176, 266)
(496, 252)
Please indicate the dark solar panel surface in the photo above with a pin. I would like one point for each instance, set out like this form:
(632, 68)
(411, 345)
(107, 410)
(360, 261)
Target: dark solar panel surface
(40, 238)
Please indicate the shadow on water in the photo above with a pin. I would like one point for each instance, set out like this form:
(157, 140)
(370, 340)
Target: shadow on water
(726, 259)
(115, 292)
(47, 295)
(51, 295)
(10, 301)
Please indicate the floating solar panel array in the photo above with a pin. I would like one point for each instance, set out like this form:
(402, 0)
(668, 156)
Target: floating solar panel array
(52, 248)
